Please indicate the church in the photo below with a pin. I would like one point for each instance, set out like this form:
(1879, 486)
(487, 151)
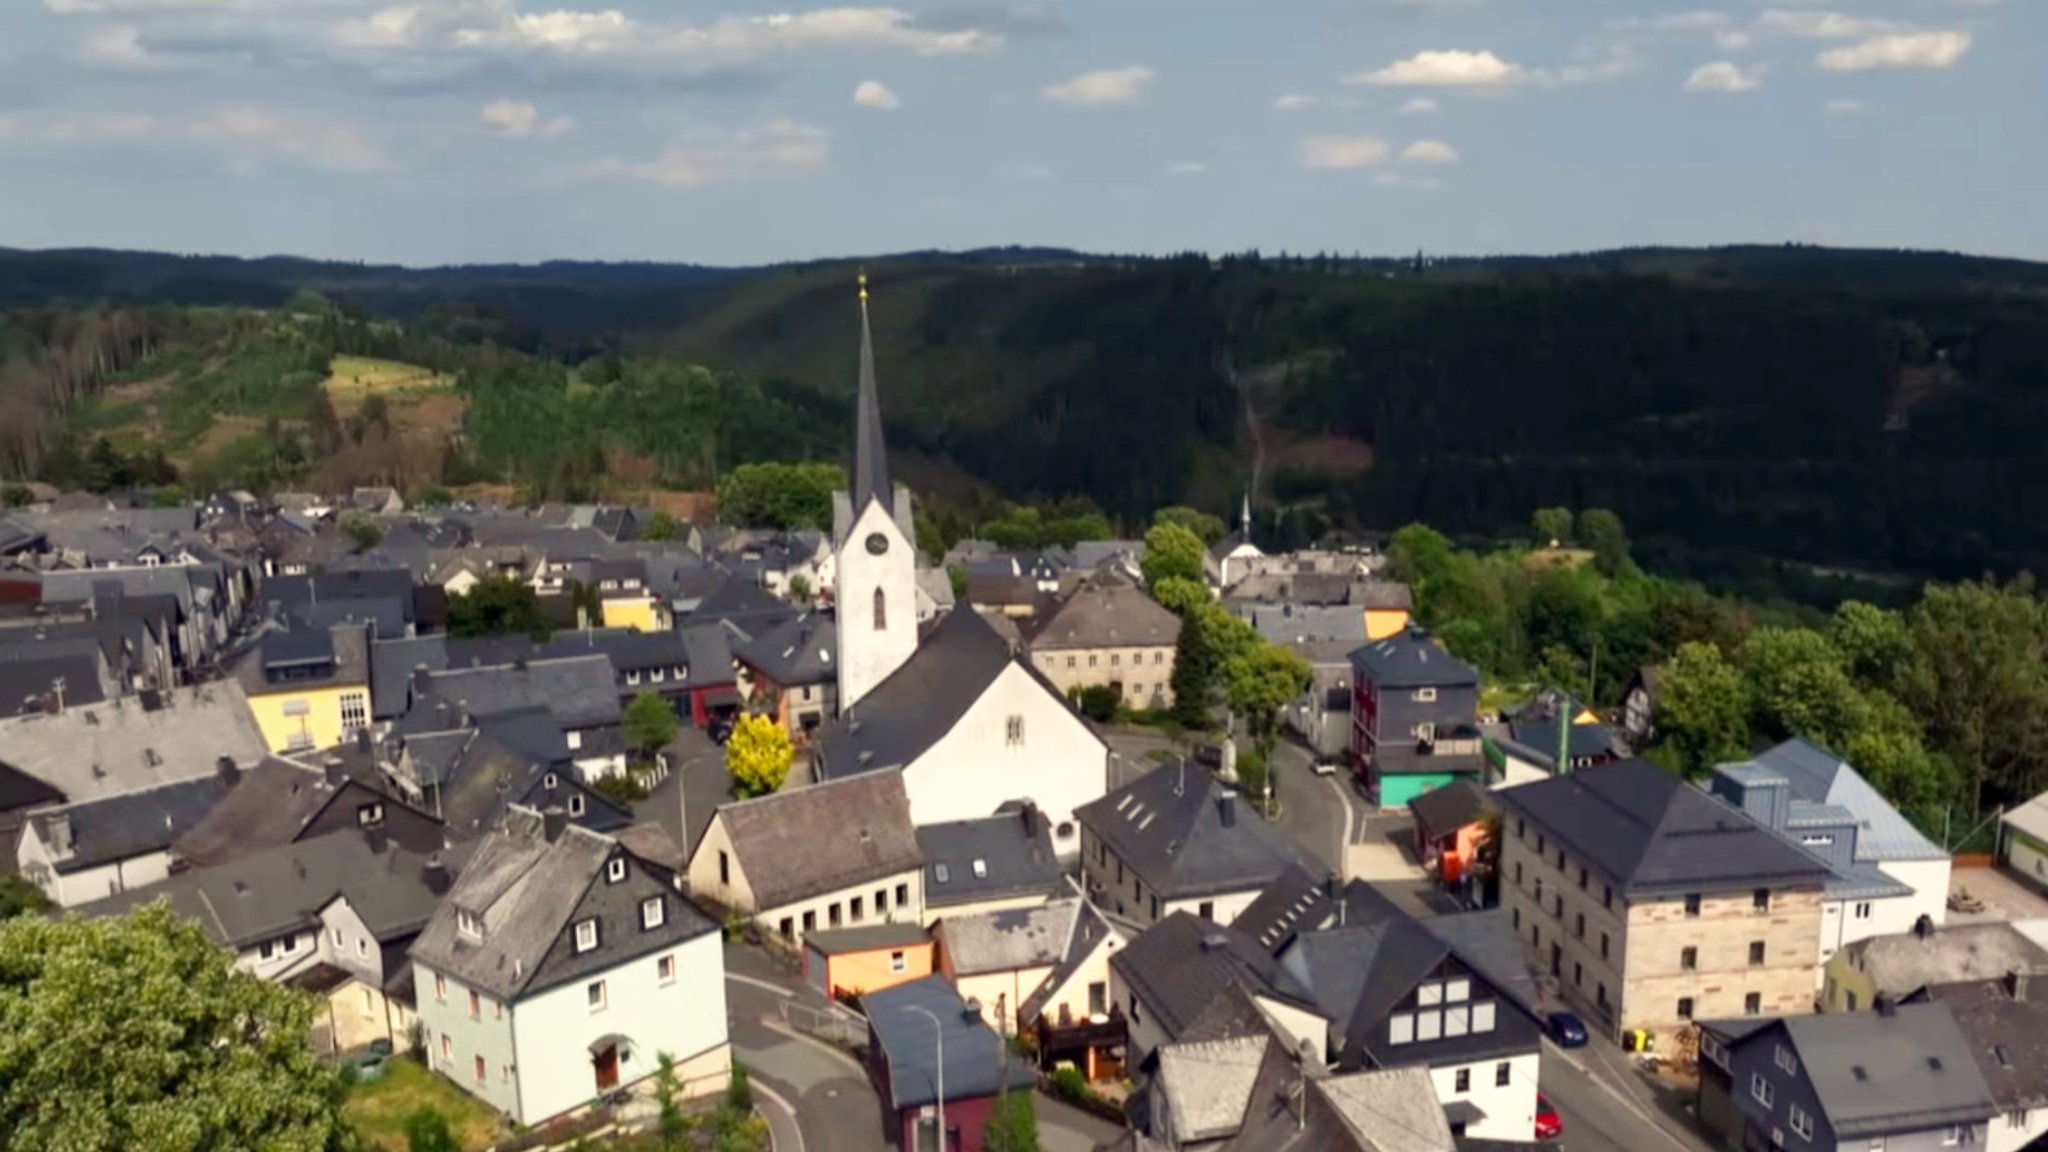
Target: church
(971, 727)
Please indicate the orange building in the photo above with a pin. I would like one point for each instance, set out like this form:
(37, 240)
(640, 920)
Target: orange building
(850, 962)
(1449, 823)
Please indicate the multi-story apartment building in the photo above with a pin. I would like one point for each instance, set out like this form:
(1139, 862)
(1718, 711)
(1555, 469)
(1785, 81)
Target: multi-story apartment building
(1414, 716)
(1650, 904)
(1110, 634)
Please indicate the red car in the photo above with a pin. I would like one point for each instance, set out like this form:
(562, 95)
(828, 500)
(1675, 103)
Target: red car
(1549, 1125)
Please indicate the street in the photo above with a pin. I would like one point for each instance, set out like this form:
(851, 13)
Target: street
(1597, 1118)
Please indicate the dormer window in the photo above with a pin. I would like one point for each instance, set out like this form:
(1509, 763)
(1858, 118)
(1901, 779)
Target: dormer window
(653, 913)
(941, 873)
(468, 924)
(980, 869)
(658, 675)
(575, 803)
(615, 870)
(586, 936)
(370, 815)
(549, 780)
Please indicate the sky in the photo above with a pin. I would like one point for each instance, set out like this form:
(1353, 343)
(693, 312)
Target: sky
(739, 132)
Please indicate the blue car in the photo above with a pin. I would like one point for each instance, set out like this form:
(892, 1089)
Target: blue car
(1566, 1030)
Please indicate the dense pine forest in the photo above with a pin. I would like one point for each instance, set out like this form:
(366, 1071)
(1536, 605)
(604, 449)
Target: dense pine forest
(1864, 410)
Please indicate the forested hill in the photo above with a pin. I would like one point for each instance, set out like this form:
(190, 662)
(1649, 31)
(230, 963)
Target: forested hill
(1867, 409)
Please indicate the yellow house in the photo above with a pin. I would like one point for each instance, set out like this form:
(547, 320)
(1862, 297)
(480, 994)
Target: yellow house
(1387, 607)
(309, 688)
(642, 612)
(851, 962)
(1902, 963)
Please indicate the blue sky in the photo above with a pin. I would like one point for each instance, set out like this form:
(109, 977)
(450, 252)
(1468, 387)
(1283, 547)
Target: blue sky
(731, 131)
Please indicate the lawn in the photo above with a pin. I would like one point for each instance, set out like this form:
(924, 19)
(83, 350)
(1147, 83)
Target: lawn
(378, 1109)
(352, 378)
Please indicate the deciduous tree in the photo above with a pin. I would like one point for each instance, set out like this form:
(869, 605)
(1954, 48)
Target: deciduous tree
(650, 724)
(1702, 709)
(1208, 528)
(1172, 553)
(758, 756)
(1981, 686)
(496, 606)
(1553, 526)
(660, 526)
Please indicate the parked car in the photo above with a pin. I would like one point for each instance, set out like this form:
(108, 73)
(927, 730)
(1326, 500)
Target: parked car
(1565, 1030)
(1326, 766)
(1549, 1125)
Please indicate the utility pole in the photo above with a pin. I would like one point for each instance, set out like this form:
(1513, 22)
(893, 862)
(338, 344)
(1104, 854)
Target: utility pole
(1564, 731)
(939, 1034)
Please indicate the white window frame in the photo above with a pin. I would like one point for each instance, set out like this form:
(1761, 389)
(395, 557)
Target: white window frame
(1425, 696)
(653, 913)
(665, 969)
(1762, 1090)
(595, 994)
(615, 870)
(898, 962)
(586, 936)
(1401, 1029)
(575, 803)
(1799, 1121)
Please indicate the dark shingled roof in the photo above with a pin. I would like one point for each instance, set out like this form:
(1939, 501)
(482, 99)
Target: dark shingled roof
(392, 663)
(1441, 811)
(18, 790)
(870, 451)
(271, 805)
(130, 824)
(798, 651)
(1169, 827)
(977, 1061)
(793, 845)
(26, 683)
(1013, 859)
(1108, 616)
(1878, 1074)
(1412, 659)
(581, 691)
(2008, 1037)
(1185, 971)
(1652, 832)
(836, 941)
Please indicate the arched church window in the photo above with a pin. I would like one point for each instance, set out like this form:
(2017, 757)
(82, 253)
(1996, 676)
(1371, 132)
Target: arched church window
(881, 611)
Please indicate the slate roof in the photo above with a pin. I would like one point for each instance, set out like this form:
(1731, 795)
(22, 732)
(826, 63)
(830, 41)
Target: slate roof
(272, 804)
(29, 682)
(1442, 811)
(1652, 832)
(1169, 826)
(342, 584)
(920, 702)
(527, 890)
(1303, 624)
(1819, 776)
(1412, 659)
(392, 663)
(1905, 961)
(1009, 940)
(1208, 1084)
(1089, 929)
(866, 938)
(978, 1062)
(1390, 1111)
(1108, 616)
(581, 691)
(629, 651)
(283, 889)
(341, 653)
(20, 790)
(131, 824)
(798, 651)
(1876, 1074)
(744, 603)
(1189, 975)
(993, 858)
(508, 759)
(123, 746)
(797, 844)
(2009, 1039)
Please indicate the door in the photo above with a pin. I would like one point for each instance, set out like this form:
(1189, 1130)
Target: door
(607, 1063)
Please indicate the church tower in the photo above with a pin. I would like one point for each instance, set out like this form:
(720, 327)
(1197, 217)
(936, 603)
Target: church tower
(876, 584)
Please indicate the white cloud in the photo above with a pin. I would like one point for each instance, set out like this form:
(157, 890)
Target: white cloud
(783, 149)
(1420, 106)
(1343, 151)
(1843, 108)
(251, 131)
(397, 27)
(1404, 180)
(1899, 50)
(1453, 68)
(874, 94)
(1724, 76)
(67, 129)
(1109, 86)
(105, 7)
(1293, 102)
(1429, 152)
(517, 118)
(1816, 24)
(117, 44)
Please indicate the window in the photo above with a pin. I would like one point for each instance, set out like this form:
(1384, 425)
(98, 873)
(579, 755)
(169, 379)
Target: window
(575, 739)
(1429, 1025)
(881, 901)
(1560, 860)
(594, 993)
(832, 914)
(1578, 974)
(1688, 958)
(1070, 661)
(575, 803)
(902, 895)
(586, 935)
(1134, 1010)
(665, 970)
(355, 712)
(1518, 871)
(881, 611)
(1753, 1004)
(1503, 1074)
(440, 988)
(1756, 953)
(786, 929)
(1603, 945)
(1582, 878)
(1799, 1121)
(1762, 1090)
(724, 867)
(980, 868)
(1458, 990)
(1521, 828)
(335, 935)
(1863, 910)
(1539, 891)
(653, 913)
(482, 1071)
(1579, 929)
(657, 675)
(1458, 1020)
(1463, 1081)
(1760, 900)
(1518, 919)
(1607, 899)
(1692, 904)
(476, 1005)
(1541, 843)
(1013, 730)
(1784, 1058)
(1685, 1007)
(1116, 659)
(1401, 1029)
(1483, 1012)
(369, 815)
(447, 1047)
(549, 781)
(633, 676)
(1425, 695)
(810, 921)
(943, 873)
(1159, 657)
(1849, 1001)
(1429, 995)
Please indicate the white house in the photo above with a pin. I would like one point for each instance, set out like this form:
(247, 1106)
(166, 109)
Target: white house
(560, 968)
(2023, 841)
(99, 848)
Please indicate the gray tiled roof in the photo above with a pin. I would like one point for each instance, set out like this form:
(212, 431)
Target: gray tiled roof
(1390, 1111)
(798, 651)
(1905, 961)
(1090, 928)
(1208, 1084)
(988, 859)
(977, 1062)
(1818, 775)
(121, 746)
(836, 941)
(392, 663)
(808, 841)
(2010, 1041)
(528, 891)
(1876, 1073)
(1186, 971)
(1412, 659)
(581, 691)
(28, 681)
(1009, 940)
(1108, 616)
(1652, 832)
(131, 824)
(629, 651)
(1444, 810)
(1302, 624)
(1169, 826)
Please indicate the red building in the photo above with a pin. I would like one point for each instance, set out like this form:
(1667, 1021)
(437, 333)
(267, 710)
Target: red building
(929, 1052)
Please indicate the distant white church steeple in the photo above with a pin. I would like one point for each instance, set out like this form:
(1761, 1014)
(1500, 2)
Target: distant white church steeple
(877, 581)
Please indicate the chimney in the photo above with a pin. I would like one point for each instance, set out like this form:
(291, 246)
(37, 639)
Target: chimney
(229, 774)
(363, 740)
(552, 821)
(2016, 984)
(434, 874)
(1226, 809)
(334, 771)
(1924, 927)
(59, 828)
(376, 838)
(1885, 1004)
(1030, 814)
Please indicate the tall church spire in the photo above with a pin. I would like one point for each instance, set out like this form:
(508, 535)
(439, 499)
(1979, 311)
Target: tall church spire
(870, 455)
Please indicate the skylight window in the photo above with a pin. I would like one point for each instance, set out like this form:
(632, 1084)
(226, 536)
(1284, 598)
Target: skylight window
(980, 869)
(942, 873)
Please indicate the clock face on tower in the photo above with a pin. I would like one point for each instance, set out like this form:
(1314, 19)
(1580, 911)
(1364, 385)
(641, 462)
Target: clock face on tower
(877, 543)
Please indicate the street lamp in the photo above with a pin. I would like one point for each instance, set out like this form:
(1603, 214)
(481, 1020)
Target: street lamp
(939, 1035)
